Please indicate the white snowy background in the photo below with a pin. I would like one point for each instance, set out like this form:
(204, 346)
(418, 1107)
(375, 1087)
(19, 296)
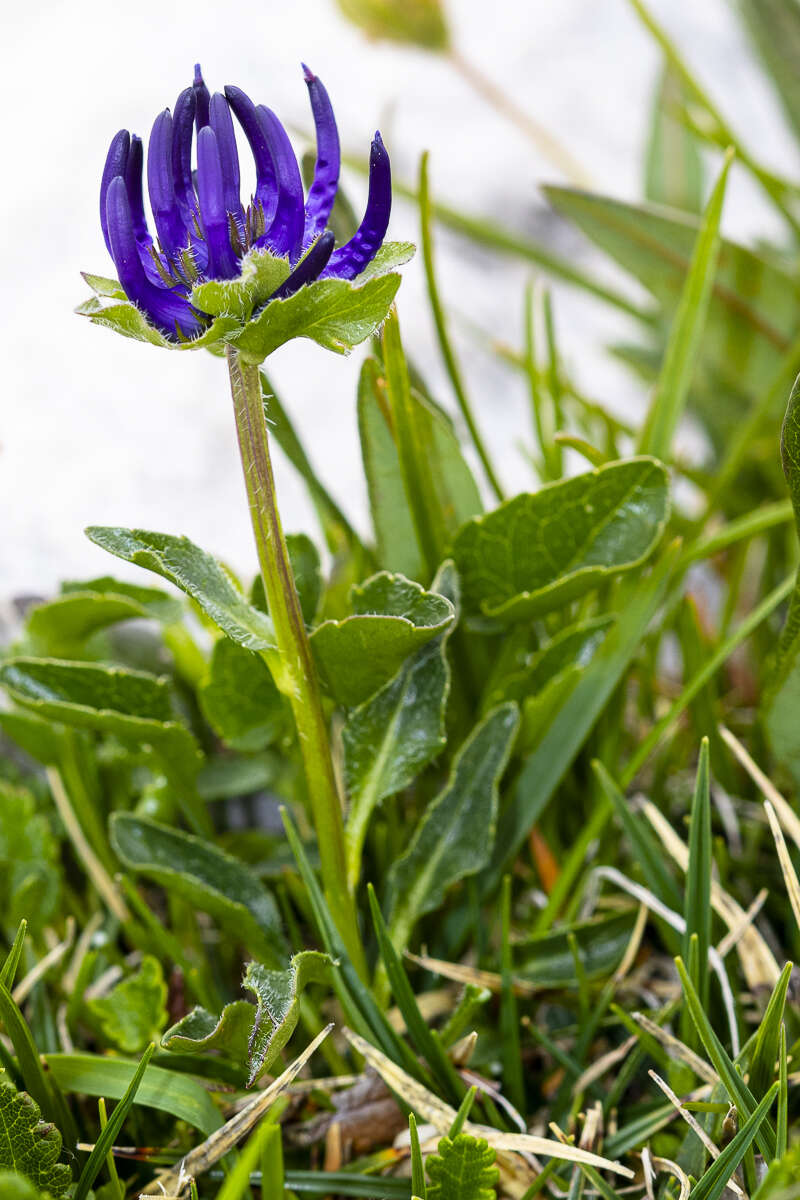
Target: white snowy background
(97, 429)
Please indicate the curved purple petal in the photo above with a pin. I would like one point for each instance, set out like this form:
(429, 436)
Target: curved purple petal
(351, 258)
(116, 162)
(172, 232)
(322, 192)
(248, 118)
(167, 308)
(201, 97)
(133, 183)
(221, 122)
(306, 271)
(222, 262)
(284, 235)
(182, 130)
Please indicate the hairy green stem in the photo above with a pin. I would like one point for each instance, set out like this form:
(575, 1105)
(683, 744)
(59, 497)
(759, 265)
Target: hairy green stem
(298, 676)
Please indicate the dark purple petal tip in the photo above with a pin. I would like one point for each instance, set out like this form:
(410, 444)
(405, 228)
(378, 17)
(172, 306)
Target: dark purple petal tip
(202, 228)
(350, 259)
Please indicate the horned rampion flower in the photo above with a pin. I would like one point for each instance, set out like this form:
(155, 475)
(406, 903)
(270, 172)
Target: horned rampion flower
(216, 271)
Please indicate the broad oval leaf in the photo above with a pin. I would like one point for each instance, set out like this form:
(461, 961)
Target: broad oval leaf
(210, 879)
(390, 737)
(393, 617)
(455, 836)
(196, 573)
(133, 705)
(539, 551)
(240, 699)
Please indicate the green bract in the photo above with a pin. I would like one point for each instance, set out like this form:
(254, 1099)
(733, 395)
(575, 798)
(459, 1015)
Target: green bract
(335, 313)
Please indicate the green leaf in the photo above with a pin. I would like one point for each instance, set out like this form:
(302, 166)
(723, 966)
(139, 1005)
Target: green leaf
(421, 22)
(60, 627)
(200, 1031)
(153, 601)
(647, 850)
(774, 26)
(782, 694)
(109, 1134)
(196, 573)
(208, 878)
(683, 344)
(29, 1145)
(426, 1042)
(262, 273)
(673, 165)
(391, 516)
(132, 705)
(549, 961)
(335, 313)
(390, 737)
(452, 494)
(29, 876)
(765, 1050)
(168, 1091)
(239, 698)
(697, 902)
(574, 646)
(575, 717)
(715, 1179)
(277, 996)
(462, 1169)
(738, 1091)
(17, 1187)
(747, 330)
(134, 1012)
(393, 617)
(455, 836)
(535, 553)
(125, 318)
(307, 571)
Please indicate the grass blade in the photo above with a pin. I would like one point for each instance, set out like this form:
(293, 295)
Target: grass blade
(697, 904)
(715, 1179)
(114, 1124)
(681, 353)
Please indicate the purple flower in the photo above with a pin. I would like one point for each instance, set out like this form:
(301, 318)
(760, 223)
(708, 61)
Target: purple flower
(202, 229)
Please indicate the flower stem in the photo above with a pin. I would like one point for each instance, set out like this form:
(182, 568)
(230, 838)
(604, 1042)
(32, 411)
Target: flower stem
(298, 676)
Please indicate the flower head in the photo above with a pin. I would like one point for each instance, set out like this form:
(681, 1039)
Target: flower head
(203, 232)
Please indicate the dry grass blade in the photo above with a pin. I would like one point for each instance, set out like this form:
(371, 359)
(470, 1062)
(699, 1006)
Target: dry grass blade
(176, 1181)
(672, 1168)
(603, 1064)
(786, 814)
(461, 973)
(789, 873)
(733, 936)
(677, 1049)
(758, 962)
(693, 1124)
(442, 1115)
(94, 868)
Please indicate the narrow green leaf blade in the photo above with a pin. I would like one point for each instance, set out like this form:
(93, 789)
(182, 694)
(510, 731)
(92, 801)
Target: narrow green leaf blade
(672, 389)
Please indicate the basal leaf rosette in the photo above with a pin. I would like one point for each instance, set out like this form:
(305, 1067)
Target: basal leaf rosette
(218, 272)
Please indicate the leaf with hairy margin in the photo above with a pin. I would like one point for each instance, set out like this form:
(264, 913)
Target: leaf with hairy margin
(28, 1145)
(455, 836)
